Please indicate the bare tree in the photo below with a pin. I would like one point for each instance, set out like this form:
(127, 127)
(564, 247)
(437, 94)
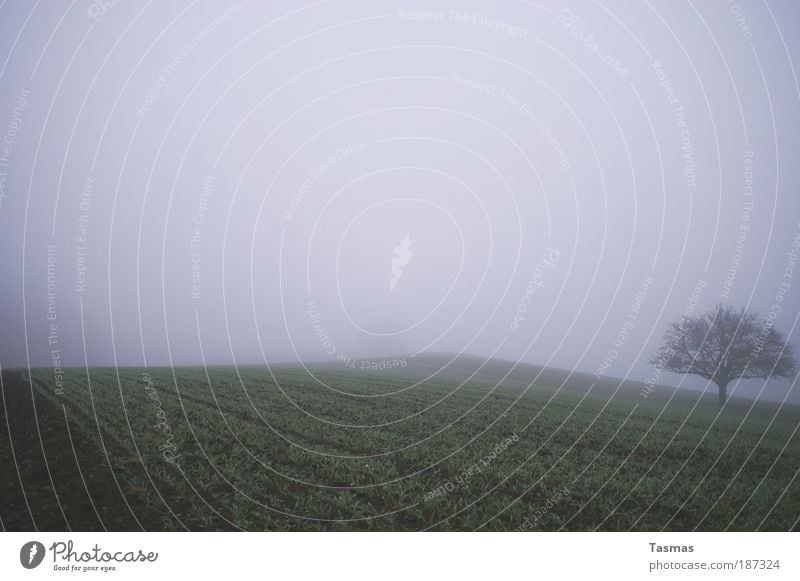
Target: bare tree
(723, 345)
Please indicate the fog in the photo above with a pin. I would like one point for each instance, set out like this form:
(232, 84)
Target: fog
(203, 182)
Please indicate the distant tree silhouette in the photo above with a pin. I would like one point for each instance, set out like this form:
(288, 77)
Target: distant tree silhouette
(723, 345)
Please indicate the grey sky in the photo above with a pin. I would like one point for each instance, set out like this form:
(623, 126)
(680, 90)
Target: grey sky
(228, 164)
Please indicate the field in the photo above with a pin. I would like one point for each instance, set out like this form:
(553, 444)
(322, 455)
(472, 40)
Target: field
(435, 445)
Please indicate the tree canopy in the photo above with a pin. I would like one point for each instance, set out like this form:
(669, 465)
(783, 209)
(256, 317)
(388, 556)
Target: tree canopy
(725, 344)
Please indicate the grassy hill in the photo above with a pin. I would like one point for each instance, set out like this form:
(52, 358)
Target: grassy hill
(442, 443)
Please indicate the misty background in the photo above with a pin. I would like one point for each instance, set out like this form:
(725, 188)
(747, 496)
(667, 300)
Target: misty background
(226, 183)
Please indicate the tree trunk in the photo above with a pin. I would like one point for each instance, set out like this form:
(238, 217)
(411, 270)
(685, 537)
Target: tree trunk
(723, 393)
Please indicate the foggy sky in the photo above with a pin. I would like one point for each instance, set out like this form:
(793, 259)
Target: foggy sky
(231, 182)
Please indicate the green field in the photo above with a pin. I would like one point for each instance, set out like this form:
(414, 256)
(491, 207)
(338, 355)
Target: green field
(336, 448)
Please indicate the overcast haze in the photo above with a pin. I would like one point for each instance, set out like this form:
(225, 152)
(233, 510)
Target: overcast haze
(231, 182)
